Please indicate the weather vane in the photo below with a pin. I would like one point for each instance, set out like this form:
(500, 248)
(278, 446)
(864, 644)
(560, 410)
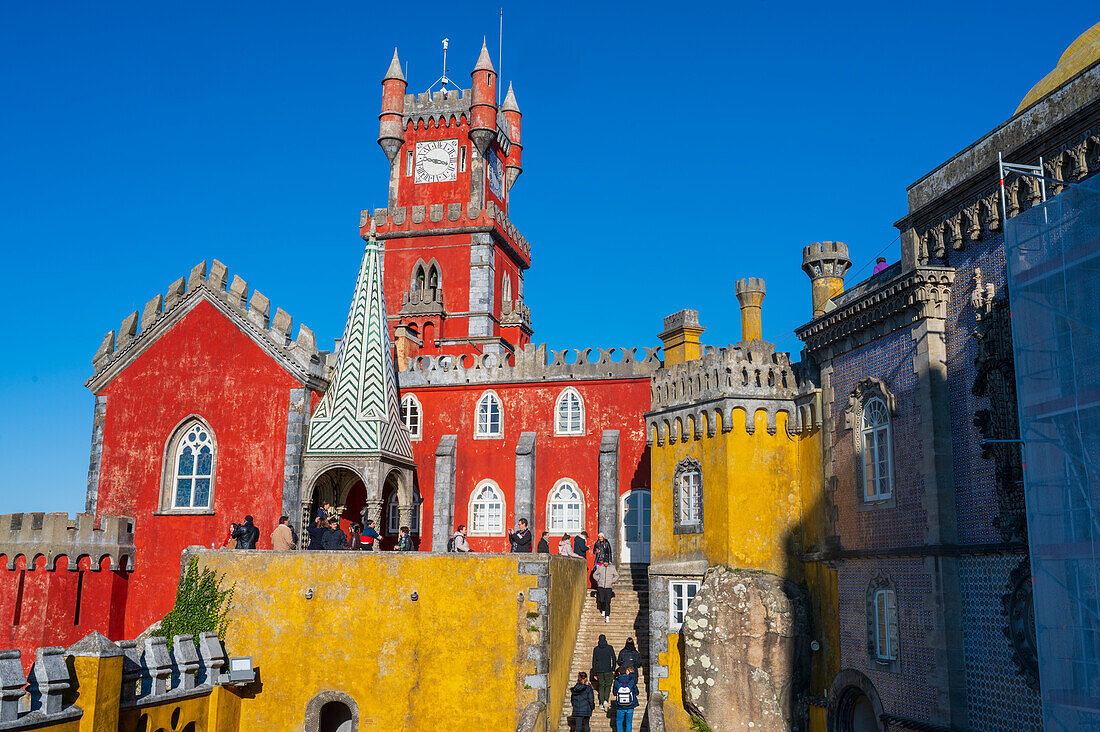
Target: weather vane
(443, 81)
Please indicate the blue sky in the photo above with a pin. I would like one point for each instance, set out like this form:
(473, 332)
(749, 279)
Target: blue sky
(668, 151)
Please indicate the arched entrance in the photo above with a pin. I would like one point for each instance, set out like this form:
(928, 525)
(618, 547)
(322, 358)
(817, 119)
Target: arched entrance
(400, 507)
(335, 717)
(344, 489)
(331, 711)
(854, 704)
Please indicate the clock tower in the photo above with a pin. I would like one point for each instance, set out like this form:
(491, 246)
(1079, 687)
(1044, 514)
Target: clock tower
(454, 263)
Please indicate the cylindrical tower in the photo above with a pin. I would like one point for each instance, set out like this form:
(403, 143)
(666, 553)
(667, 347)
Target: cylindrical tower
(825, 263)
(512, 116)
(750, 293)
(483, 105)
(391, 122)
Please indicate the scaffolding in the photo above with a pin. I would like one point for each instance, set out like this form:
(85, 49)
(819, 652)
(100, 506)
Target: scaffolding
(1052, 253)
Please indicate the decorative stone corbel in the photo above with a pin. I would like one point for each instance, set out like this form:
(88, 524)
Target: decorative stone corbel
(864, 390)
(981, 297)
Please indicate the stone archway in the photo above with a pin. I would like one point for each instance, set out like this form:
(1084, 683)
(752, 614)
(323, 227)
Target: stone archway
(331, 711)
(400, 506)
(854, 704)
(343, 487)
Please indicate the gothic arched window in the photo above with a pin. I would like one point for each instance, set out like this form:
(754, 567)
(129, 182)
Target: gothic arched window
(506, 288)
(189, 468)
(487, 510)
(489, 418)
(878, 453)
(569, 413)
(433, 280)
(566, 508)
(410, 415)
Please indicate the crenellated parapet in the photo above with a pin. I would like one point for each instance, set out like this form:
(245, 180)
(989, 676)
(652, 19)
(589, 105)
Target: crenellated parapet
(444, 218)
(699, 397)
(270, 330)
(532, 363)
(55, 535)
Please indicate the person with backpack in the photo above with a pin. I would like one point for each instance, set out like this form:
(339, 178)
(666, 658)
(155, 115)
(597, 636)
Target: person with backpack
(457, 542)
(544, 543)
(583, 702)
(247, 534)
(370, 536)
(626, 699)
(629, 656)
(603, 669)
(520, 539)
(404, 541)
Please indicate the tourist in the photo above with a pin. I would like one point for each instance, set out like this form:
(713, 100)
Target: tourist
(404, 541)
(626, 699)
(370, 537)
(247, 534)
(583, 701)
(325, 512)
(544, 543)
(458, 542)
(629, 656)
(282, 538)
(335, 538)
(355, 538)
(580, 545)
(605, 576)
(601, 550)
(231, 537)
(603, 669)
(565, 546)
(520, 539)
(316, 534)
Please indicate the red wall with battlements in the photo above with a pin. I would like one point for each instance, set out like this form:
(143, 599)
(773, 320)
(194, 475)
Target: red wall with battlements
(203, 366)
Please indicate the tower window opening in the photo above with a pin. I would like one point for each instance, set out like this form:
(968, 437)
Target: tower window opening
(79, 596)
(419, 279)
(433, 280)
(462, 159)
(408, 163)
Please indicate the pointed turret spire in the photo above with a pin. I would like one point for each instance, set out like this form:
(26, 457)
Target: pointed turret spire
(484, 63)
(509, 101)
(394, 71)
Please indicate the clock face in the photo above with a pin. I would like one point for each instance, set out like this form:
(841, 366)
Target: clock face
(436, 161)
(494, 171)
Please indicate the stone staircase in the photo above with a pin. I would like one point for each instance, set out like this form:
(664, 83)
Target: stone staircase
(629, 619)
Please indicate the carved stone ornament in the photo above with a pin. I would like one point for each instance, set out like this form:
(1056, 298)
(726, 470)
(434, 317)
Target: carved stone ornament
(1019, 605)
(864, 390)
(981, 297)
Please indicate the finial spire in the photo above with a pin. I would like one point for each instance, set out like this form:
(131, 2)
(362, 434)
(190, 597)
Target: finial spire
(510, 104)
(394, 71)
(484, 63)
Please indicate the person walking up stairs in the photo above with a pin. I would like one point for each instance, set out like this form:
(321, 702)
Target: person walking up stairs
(629, 619)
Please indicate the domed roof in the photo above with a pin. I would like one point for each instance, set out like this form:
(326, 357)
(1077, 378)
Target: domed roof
(1081, 54)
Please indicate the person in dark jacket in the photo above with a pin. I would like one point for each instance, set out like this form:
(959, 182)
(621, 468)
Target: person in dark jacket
(335, 538)
(404, 541)
(583, 701)
(629, 656)
(580, 545)
(603, 668)
(316, 534)
(520, 539)
(247, 534)
(626, 699)
(355, 542)
(544, 543)
(602, 550)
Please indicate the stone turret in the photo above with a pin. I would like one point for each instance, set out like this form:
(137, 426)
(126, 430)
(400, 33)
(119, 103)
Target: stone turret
(681, 337)
(391, 124)
(825, 263)
(750, 293)
(483, 105)
(512, 117)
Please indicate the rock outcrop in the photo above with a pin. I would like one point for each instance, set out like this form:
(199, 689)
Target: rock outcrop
(746, 656)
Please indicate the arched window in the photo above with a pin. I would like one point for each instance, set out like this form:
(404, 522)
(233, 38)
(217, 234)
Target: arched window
(489, 416)
(566, 508)
(433, 281)
(886, 625)
(419, 279)
(189, 468)
(410, 415)
(506, 288)
(878, 455)
(487, 510)
(569, 419)
(687, 497)
(393, 517)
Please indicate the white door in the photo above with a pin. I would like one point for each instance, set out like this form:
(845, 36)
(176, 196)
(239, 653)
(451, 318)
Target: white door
(635, 515)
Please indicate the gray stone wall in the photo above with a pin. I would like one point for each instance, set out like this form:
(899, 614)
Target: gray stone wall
(525, 477)
(482, 280)
(443, 496)
(99, 416)
(297, 428)
(609, 488)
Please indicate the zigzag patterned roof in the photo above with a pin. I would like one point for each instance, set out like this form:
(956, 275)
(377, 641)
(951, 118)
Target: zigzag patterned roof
(359, 413)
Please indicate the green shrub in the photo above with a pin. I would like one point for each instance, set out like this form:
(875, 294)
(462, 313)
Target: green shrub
(699, 725)
(202, 605)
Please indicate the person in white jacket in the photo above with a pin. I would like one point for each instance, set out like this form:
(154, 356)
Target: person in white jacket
(605, 576)
(565, 546)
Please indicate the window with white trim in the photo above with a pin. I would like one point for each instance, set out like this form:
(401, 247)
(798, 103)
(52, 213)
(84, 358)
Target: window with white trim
(410, 415)
(393, 517)
(680, 595)
(489, 416)
(487, 510)
(878, 453)
(566, 508)
(569, 413)
(691, 497)
(886, 625)
(193, 476)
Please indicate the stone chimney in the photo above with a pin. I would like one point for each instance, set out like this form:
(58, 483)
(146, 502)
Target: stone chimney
(825, 263)
(750, 293)
(681, 337)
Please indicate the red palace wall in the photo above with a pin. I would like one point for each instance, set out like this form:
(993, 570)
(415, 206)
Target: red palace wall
(203, 366)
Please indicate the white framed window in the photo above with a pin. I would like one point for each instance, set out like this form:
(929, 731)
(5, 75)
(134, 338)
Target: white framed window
(490, 416)
(393, 517)
(886, 625)
(878, 453)
(410, 415)
(680, 595)
(193, 462)
(565, 508)
(569, 413)
(691, 498)
(487, 510)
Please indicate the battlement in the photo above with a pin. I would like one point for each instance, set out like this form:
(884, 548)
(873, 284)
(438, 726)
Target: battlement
(749, 284)
(54, 535)
(427, 108)
(682, 319)
(272, 331)
(65, 685)
(444, 218)
(826, 259)
(532, 363)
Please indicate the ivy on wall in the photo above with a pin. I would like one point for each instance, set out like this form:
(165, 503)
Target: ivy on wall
(202, 605)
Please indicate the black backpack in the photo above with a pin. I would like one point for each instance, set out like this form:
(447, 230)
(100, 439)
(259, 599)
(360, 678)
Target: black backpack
(451, 544)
